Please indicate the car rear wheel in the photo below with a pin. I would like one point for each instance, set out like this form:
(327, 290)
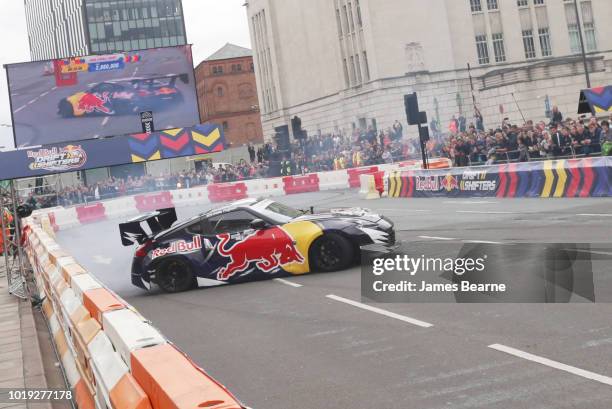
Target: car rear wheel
(331, 252)
(175, 276)
(65, 109)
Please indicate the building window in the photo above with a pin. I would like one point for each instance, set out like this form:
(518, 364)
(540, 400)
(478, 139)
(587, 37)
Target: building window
(217, 70)
(482, 47)
(588, 25)
(225, 126)
(476, 6)
(358, 65)
(236, 67)
(366, 67)
(574, 36)
(347, 80)
(589, 35)
(350, 17)
(353, 71)
(545, 44)
(219, 91)
(252, 67)
(539, 2)
(498, 47)
(358, 8)
(339, 22)
(529, 44)
(492, 5)
(522, 3)
(345, 18)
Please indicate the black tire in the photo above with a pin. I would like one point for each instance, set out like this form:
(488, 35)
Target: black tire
(65, 109)
(174, 276)
(331, 252)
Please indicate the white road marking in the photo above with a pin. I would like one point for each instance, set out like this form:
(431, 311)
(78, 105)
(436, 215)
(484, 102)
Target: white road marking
(468, 202)
(32, 101)
(44, 94)
(595, 214)
(20, 108)
(436, 238)
(53, 89)
(404, 210)
(105, 120)
(102, 260)
(482, 242)
(380, 311)
(483, 212)
(553, 364)
(287, 282)
(600, 253)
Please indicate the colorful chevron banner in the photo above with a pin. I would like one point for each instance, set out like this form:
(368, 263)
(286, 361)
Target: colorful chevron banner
(596, 101)
(200, 139)
(587, 177)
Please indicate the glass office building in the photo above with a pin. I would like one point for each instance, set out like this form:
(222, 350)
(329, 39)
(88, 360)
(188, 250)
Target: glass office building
(68, 28)
(134, 24)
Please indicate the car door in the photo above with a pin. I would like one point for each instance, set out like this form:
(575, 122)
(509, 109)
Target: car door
(188, 242)
(241, 252)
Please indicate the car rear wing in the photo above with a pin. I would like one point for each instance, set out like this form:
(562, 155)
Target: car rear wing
(133, 232)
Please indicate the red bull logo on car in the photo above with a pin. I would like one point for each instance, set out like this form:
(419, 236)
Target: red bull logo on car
(269, 249)
(94, 102)
(181, 246)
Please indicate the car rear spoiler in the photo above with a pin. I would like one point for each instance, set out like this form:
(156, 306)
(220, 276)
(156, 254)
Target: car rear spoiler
(132, 231)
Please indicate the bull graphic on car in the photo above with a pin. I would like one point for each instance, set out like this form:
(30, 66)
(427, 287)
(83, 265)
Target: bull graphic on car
(268, 249)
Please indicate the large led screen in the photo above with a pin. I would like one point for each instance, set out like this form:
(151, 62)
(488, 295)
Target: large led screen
(101, 95)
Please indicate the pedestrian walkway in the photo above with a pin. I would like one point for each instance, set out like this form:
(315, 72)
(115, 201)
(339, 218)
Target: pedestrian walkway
(20, 358)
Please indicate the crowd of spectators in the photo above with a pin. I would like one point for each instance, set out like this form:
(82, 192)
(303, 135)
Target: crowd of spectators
(465, 143)
(470, 144)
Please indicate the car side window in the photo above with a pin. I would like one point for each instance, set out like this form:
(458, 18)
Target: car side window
(196, 227)
(232, 222)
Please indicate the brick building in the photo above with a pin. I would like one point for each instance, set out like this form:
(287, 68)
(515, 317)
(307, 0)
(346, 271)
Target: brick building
(227, 93)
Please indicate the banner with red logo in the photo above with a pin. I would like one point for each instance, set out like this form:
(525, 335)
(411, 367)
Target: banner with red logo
(586, 177)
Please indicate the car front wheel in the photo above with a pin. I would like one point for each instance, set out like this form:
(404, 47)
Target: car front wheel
(65, 109)
(174, 276)
(331, 252)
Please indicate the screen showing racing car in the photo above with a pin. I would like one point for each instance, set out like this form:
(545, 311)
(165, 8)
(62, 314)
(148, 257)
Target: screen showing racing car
(102, 95)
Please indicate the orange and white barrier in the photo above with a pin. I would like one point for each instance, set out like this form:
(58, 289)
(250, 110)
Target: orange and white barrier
(113, 358)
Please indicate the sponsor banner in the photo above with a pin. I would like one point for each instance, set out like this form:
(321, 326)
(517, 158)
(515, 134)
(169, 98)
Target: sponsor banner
(91, 154)
(587, 177)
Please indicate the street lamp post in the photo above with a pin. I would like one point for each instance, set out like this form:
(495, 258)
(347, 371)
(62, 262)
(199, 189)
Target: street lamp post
(584, 58)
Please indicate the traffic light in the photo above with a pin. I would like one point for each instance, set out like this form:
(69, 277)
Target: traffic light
(411, 103)
(282, 138)
(296, 127)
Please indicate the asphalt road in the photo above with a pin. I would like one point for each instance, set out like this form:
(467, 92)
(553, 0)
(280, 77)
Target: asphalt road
(35, 98)
(305, 343)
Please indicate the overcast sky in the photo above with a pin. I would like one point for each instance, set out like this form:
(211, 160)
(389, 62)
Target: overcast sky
(210, 24)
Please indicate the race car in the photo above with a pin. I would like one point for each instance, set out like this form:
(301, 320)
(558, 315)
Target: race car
(248, 240)
(124, 97)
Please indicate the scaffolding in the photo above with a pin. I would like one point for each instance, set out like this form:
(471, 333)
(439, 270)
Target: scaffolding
(14, 258)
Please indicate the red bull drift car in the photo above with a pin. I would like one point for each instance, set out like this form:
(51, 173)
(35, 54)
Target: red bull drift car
(123, 97)
(248, 240)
